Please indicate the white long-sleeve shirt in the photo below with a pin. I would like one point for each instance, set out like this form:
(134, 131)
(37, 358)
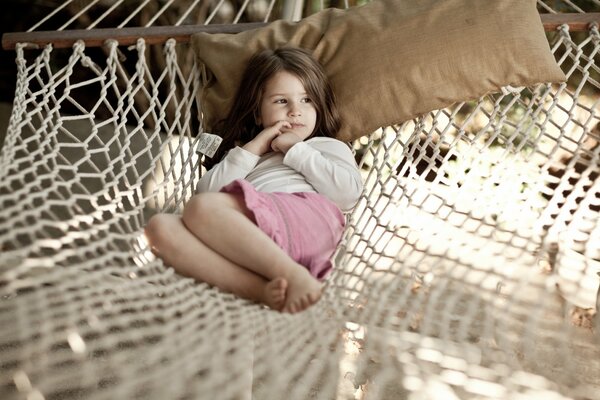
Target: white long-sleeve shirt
(321, 164)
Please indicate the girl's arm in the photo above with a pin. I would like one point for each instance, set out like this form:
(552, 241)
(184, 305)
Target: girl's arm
(329, 166)
(237, 164)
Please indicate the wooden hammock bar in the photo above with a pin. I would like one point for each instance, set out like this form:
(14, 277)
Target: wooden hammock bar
(182, 33)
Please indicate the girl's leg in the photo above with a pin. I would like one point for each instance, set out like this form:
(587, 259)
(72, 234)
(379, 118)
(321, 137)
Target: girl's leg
(179, 248)
(223, 223)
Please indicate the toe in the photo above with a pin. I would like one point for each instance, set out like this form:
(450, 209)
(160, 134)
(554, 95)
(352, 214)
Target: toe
(305, 302)
(294, 307)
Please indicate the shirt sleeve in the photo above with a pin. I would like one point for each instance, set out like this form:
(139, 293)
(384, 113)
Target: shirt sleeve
(329, 166)
(237, 164)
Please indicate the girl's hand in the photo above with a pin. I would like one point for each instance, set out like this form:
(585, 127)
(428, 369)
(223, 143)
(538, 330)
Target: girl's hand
(284, 142)
(261, 143)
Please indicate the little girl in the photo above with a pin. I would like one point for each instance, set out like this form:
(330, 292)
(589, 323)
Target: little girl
(268, 216)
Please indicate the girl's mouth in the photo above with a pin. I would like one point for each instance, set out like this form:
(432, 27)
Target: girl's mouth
(296, 126)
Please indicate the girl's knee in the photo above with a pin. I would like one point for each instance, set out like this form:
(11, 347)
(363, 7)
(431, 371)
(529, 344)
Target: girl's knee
(206, 208)
(202, 206)
(159, 230)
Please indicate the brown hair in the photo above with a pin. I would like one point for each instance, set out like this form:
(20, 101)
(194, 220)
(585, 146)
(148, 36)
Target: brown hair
(239, 127)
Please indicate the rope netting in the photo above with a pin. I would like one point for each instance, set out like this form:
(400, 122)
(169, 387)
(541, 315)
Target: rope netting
(469, 268)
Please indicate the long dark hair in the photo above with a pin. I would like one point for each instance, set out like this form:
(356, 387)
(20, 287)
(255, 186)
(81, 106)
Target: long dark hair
(239, 127)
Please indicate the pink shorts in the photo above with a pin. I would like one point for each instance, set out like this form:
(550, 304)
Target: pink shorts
(308, 226)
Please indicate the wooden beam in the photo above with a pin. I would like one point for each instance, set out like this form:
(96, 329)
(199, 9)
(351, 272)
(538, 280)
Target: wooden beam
(125, 36)
(577, 22)
(160, 34)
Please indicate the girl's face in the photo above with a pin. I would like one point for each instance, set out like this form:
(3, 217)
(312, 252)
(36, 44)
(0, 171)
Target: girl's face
(285, 99)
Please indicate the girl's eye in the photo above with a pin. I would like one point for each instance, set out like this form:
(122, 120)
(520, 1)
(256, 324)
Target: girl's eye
(280, 101)
(306, 100)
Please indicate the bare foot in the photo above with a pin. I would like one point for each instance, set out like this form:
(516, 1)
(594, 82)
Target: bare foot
(303, 291)
(274, 295)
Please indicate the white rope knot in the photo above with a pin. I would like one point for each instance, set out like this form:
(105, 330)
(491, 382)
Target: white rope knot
(79, 49)
(111, 44)
(564, 28)
(140, 45)
(20, 60)
(508, 89)
(86, 61)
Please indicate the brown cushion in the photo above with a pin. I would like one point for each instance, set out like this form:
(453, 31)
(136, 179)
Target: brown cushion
(392, 60)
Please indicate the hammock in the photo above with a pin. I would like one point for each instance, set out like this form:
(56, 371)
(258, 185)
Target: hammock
(445, 284)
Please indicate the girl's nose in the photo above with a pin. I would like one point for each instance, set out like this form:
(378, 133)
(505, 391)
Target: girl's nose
(294, 110)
